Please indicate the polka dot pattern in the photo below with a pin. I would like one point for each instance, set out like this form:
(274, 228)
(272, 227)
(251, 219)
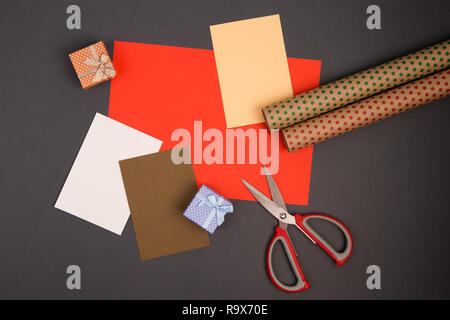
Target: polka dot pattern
(204, 215)
(359, 86)
(365, 112)
(79, 57)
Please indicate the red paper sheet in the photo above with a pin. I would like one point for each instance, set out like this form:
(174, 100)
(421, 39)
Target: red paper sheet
(161, 88)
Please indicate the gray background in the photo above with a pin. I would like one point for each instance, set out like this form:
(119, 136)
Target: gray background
(388, 182)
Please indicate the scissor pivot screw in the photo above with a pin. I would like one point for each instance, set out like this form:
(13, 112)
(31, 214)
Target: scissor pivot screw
(283, 215)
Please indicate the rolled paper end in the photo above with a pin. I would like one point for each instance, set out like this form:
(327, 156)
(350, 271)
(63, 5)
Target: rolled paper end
(295, 141)
(267, 114)
(284, 134)
(275, 115)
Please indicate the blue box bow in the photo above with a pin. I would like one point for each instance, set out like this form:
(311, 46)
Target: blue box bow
(208, 209)
(219, 208)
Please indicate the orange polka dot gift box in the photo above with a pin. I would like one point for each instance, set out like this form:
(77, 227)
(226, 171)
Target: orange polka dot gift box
(93, 65)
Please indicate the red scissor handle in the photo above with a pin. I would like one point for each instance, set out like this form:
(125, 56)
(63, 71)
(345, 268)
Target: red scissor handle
(339, 257)
(302, 284)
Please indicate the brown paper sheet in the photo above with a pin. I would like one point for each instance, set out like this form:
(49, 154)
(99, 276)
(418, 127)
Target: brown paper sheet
(158, 192)
(358, 86)
(365, 112)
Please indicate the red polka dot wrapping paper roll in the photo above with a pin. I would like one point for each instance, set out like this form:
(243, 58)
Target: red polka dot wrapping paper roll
(362, 113)
(358, 86)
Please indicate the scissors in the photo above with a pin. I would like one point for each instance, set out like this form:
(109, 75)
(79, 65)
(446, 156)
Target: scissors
(278, 209)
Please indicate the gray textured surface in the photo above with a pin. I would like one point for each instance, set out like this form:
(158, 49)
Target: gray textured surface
(388, 182)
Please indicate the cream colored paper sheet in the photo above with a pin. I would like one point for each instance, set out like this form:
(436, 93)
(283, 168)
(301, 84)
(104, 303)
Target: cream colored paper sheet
(252, 67)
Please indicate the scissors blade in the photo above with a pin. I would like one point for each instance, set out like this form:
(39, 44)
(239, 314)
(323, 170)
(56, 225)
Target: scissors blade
(274, 191)
(277, 211)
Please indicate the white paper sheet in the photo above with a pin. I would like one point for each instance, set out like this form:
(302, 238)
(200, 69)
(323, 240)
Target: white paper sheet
(94, 189)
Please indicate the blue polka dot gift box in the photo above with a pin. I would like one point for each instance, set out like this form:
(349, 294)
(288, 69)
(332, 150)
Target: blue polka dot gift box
(208, 209)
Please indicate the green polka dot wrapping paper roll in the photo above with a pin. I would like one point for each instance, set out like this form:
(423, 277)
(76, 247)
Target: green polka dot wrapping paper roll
(359, 86)
(362, 113)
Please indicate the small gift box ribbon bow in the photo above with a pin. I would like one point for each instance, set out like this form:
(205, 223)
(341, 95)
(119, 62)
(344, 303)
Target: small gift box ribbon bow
(219, 208)
(103, 67)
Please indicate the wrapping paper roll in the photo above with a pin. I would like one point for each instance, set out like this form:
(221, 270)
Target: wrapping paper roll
(358, 86)
(365, 112)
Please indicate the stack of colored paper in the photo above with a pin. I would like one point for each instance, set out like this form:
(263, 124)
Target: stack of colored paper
(206, 105)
